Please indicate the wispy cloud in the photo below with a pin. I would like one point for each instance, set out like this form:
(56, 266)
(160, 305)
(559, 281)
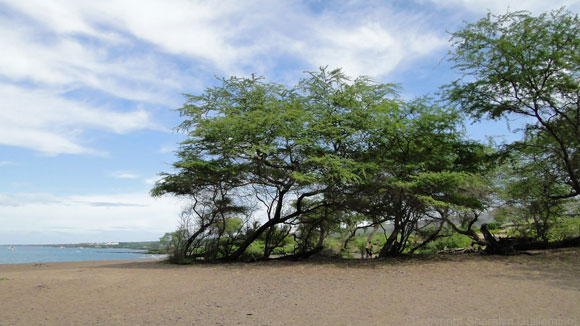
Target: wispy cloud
(168, 149)
(374, 47)
(22, 199)
(46, 62)
(114, 204)
(146, 52)
(40, 54)
(125, 175)
(152, 180)
(46, 121)
(234, 37)
(137, 55)
(502, 6)
(45, 211)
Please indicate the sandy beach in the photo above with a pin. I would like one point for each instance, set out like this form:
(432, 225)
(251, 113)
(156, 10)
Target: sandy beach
(543, 289)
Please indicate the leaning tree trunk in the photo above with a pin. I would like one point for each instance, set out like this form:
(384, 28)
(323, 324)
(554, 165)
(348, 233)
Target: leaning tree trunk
(349, 237)
(391, 247)
(493, 246)
(248, 241)
(306, 254)
(430, 238)
(368, 245)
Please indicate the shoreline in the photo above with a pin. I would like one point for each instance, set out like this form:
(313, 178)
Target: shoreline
(80, 263)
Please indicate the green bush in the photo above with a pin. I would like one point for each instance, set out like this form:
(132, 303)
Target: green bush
(453, 241)
(254, 251)
(493, 226)
(332, 246)
(564, 229)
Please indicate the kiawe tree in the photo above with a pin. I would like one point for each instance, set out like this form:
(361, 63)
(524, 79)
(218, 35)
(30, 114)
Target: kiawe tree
(265, 162)
(424, 166)
(518, 65)
(305, 160)
(277, 151)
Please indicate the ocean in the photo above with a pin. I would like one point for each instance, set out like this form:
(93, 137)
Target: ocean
(42, 254)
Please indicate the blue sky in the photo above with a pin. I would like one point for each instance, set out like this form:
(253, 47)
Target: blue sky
(88, 91)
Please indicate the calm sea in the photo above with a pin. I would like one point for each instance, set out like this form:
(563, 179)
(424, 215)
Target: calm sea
(40, 254)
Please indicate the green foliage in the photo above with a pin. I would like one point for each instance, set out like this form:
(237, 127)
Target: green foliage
(254, 252)
(566, 228)
(253, 142)
(424, 164)
(231, 226)
(514, 58)
(283, 251)
(332, 245)
(360, 244)
(529, 192)
(326, 153)
(173, 243)
(454, 241)
(525, 66)
(493, 226)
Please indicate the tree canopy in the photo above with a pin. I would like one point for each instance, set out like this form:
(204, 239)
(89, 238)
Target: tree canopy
(305, 158)
(528, 67)
(267, 165)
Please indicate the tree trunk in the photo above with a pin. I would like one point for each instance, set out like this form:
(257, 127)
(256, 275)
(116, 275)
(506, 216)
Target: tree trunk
(368, 246)
(493, 246)
(267, 249)
(389, 250)
(303, 255)
(430, 238)
(275, 220)
(348, 238)
(191, 239)
(251, 239)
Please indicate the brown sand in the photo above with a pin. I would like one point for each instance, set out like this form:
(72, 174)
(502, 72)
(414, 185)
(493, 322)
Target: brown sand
(450, 290)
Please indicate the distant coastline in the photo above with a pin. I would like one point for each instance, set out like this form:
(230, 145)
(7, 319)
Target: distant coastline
(16, 254)
(152, 247)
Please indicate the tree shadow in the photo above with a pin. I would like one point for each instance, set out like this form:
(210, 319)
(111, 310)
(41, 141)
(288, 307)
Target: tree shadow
(312, 261)
(558, 268)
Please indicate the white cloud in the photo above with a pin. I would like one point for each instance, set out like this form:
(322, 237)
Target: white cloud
(43, 141)
(124, 175)
(372, 48)
(6, 163)
(21, 199)
(128, 49)
(148, 51)
(43, 212)
(168, 148)
(45, 121)
(152, 180)
(65, 61)
(502, 6)
(235, 37)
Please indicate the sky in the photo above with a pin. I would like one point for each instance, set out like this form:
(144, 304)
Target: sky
(88, 91)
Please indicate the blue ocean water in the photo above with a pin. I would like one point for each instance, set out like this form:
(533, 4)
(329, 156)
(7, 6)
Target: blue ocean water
(40, 254)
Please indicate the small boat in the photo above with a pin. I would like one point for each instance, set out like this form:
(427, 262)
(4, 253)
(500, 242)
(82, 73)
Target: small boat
(11, 248)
